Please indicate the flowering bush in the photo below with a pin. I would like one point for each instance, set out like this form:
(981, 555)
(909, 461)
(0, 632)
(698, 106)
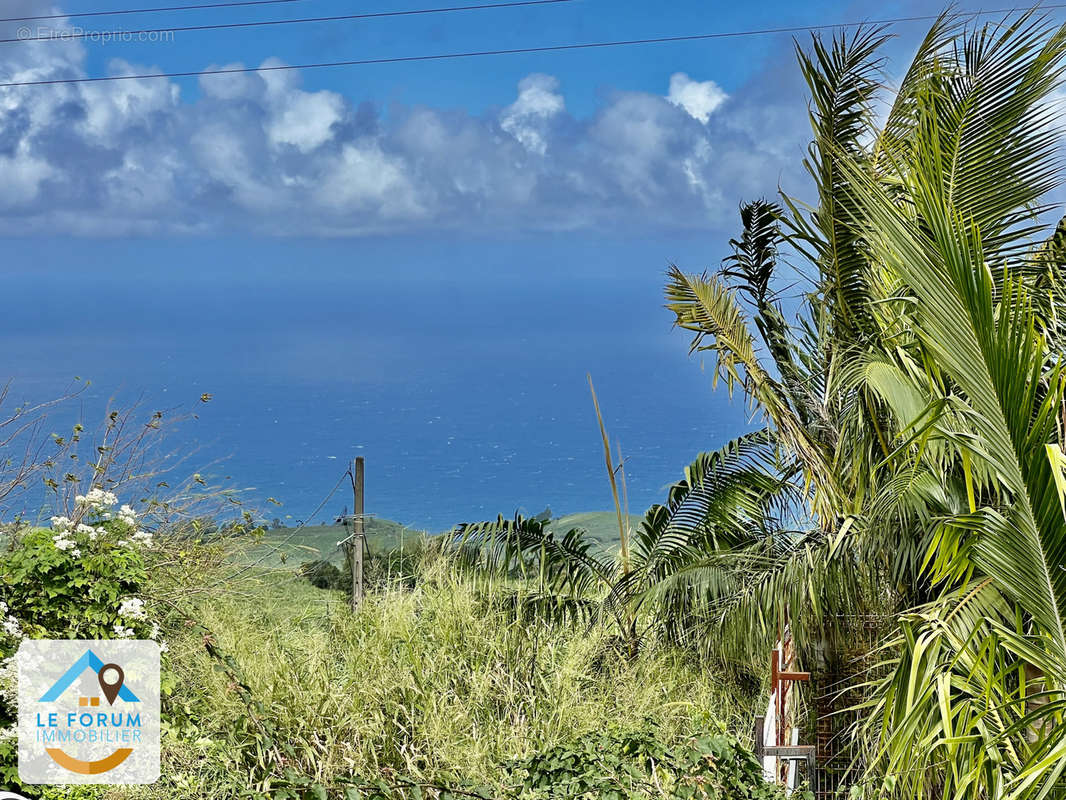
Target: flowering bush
(79, 579)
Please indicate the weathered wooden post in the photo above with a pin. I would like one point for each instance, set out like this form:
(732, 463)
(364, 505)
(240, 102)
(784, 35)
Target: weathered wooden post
(356, 542)
(770, 742)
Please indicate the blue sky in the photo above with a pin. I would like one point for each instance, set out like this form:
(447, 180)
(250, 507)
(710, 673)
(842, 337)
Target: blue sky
(477, 85)
(398, 259)
(661, 137)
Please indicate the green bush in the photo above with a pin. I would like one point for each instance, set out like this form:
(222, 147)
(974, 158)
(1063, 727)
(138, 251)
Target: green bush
(325, 575)
(81, 579)
(644, 763)
(397, 566)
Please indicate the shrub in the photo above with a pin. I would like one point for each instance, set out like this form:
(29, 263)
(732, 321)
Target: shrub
(81, 579)
(642, 763)
(398, 566)
(325, 575)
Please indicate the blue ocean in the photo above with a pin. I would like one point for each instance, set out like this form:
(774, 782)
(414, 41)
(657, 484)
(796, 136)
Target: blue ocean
(455, 367)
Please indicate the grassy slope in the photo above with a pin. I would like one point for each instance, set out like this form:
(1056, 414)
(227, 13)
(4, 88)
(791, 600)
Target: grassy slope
(292, 547)
(288, 546)
(426, 682)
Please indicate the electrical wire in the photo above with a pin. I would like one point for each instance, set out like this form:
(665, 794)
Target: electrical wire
(288, 538)
(507, 51)
(124, 11)
(108, 35)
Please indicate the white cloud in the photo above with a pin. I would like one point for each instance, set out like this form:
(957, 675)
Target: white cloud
(260, 152)
(365, 178)
(23, 176)
(527, 118)
(698, 98)
(229, 85)
(305, 120)
(110, 107)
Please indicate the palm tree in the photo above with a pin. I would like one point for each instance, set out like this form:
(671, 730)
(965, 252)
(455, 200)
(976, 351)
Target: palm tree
(911, 464)
(923, 392)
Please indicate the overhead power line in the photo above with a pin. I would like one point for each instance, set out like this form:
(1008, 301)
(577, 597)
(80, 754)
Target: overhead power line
(512, 51)
(69, 35)
(287, 539)
(124, 11)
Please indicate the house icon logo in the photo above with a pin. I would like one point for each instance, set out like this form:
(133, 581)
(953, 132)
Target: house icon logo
(88, 711)
(113, 689)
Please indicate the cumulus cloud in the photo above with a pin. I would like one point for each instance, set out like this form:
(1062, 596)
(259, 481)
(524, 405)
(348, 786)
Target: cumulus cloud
(528, 117)
(698, 98)
(262, 152)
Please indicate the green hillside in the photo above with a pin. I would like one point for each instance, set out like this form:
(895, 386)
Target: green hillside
(602, 527)
(292, 546)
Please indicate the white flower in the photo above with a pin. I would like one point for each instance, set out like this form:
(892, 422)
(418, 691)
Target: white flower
(76, 553)
(9, 680)
(122, 632)
(143, 537)
(163, 647)
(96, 499)
(132, 608)
(155, 631)
(3, 607)
(61, 524)
(61, 542)
(104, 498)
(8, 733)
(128, 515)
(11, 626)
(83, 528)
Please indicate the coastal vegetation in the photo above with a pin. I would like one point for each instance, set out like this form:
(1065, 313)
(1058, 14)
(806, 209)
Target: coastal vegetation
(899, 516)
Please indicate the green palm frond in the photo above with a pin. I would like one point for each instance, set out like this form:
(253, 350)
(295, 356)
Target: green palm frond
(930, 421)
(1045, 272)
(844, 79)
(944, 718)
(994, 354)
(989, 131)
(703, 305)
(726, 498)
(751, 270)
(562, 576)
(893, 143)
(981, 156)
(727, 514)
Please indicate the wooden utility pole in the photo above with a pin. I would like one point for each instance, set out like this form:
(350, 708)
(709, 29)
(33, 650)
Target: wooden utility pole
(356, 544)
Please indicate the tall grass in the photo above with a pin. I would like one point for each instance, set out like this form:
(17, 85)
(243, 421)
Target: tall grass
(430, 682)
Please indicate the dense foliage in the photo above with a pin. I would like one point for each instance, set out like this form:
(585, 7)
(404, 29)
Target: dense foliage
(83, 578)
(615, 765)
(911, 467)
(435, 686)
